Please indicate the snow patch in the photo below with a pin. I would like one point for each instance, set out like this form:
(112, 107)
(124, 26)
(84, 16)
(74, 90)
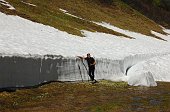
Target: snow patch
(28, 3)
(130, 33)
(63, 10)
(165, 37)
(66, 12)
(167, 31)
(3, 2)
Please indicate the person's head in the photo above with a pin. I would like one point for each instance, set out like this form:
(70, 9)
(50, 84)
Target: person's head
(88, 55)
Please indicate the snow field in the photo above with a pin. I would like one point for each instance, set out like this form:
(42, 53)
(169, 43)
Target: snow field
(21, 36)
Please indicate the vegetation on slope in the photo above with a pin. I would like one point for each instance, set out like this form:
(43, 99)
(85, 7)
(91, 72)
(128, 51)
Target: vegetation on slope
(115, 12)
(157, 10)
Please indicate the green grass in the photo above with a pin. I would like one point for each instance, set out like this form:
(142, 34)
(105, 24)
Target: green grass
(105, 96)
(117, 13)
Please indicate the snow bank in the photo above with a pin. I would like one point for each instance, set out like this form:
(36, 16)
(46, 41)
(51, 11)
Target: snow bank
(24, 71)
(157, 67)
(30, 70)
(141, 78)
(116, 56)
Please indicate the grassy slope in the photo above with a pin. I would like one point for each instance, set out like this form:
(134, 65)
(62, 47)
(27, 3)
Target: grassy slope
(105, 96)
(117, 13)
(157, 10)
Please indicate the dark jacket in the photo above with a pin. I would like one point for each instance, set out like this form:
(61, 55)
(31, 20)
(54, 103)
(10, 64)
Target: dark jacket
(90, 62)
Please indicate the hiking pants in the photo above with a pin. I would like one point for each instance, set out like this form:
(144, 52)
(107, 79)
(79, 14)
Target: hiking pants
(91, 72)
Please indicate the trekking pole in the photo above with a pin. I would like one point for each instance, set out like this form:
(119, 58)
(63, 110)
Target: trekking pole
(79, 70)
(86, 69)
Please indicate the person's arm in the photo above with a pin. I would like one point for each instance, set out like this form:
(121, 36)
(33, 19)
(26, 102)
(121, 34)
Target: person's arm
(94, 63)
(81, 57)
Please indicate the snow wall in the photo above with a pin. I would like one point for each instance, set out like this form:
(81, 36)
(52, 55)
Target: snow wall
(24, 71)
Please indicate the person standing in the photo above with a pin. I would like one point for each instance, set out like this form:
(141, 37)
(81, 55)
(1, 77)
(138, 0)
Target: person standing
(91, 65)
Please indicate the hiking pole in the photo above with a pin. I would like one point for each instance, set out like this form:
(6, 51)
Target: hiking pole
(86, 69)
(79, 70)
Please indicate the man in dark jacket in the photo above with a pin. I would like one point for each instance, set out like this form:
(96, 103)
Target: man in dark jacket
(91, 65)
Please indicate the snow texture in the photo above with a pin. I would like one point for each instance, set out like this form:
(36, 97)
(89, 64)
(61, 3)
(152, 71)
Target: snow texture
(142, 78)
(3, 2)
(22, 36)
(115, 56)
(158, 66)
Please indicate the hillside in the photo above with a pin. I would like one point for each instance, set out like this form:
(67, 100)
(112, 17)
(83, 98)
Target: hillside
(51, 12)
(157, 10)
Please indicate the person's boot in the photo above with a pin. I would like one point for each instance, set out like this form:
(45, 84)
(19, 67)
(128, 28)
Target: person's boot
(94, 81)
